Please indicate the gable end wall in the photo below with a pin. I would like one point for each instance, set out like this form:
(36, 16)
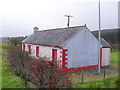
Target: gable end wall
(82, 50)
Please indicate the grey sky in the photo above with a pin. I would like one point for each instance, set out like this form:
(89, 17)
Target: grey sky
(18, 17)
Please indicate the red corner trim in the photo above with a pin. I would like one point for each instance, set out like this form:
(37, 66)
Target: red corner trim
(66, 54)
(65, 50)
(66, 62)
(64, 58)
(60, 56)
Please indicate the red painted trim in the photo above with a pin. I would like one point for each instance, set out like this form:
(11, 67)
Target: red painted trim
(45, 45)
(66, 54)
(29, 47)
(64, 58)
(61, 52)
(66, 62)
(100, 57)
(54, 55)
(92, 67)
(65, 50)
(37, 51)
(105, 47)
(60, 56)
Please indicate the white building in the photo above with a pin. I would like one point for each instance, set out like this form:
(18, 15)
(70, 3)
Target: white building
(75, 48)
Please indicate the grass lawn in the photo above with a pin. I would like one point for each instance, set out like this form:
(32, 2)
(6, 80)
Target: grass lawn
(114, 56)
(106, 83)
(9, 79)
(0, 66)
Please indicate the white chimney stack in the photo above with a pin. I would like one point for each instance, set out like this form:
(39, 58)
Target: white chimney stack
(35, 29)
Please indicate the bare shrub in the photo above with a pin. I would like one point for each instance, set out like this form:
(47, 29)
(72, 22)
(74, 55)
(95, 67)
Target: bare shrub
(19, 61)
(42, 72)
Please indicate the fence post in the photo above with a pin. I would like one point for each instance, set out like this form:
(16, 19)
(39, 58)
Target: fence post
(82, 77)
(104, 72)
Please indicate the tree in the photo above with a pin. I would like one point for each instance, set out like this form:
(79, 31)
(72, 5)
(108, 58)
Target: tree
(16, 40)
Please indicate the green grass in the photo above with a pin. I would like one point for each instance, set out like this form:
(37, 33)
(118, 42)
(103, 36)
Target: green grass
(106, 83)
(115, 56)
(0, 66)
(9, 79)
(6, 46)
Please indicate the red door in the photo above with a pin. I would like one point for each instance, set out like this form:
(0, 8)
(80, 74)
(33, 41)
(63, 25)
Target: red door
(37, 51)
(54, 55)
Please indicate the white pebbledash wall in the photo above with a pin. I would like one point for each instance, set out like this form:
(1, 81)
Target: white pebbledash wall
(44, 51)
(83, 50)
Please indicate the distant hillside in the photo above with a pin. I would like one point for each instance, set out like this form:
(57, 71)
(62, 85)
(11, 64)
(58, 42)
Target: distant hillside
(12, 39)
(110, 35)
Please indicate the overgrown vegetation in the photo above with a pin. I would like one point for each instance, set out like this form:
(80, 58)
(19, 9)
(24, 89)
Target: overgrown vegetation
(41, 71)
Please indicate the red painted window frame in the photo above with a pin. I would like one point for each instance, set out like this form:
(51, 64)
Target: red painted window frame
(54, 55)
(37, 51)
(29, 47)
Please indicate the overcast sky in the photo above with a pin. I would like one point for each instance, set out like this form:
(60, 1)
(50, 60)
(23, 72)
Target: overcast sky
(18, 17)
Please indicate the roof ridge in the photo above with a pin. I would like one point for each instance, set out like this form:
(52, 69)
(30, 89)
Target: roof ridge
(62, 28)
(54, 37)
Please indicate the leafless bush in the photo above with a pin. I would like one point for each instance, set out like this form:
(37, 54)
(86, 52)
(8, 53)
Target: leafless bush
(42, 72)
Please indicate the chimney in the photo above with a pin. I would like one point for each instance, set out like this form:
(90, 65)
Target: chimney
(35, 29)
